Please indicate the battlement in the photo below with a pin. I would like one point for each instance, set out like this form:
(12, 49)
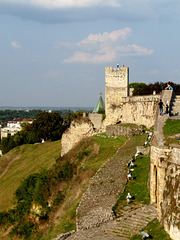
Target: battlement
(117, 78)
(119, 107)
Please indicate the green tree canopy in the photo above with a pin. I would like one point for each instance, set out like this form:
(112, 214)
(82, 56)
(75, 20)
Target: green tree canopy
(49, 126)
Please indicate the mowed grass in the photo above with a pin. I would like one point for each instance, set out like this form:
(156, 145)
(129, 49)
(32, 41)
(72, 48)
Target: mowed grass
(171, 127)
(137, 186)
(107, 148)
(21, 162)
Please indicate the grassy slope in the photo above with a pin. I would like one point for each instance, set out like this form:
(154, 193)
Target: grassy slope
(24, 160)
(155, 230)
(171, 127)
(137, 186)
(97, 150)
(90, 155)
(27, 159)
(171, 130)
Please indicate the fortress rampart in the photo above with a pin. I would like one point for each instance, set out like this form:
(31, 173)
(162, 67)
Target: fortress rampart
(141, 110)
(120, 107)
(165, 187)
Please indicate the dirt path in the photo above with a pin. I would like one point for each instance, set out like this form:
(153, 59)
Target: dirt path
(9, 164)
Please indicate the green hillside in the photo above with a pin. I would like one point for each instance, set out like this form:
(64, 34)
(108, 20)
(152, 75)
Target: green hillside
(22, 161)
(87, 158)
(67, 178)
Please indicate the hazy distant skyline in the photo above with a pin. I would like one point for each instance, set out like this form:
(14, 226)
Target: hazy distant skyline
(54, 53)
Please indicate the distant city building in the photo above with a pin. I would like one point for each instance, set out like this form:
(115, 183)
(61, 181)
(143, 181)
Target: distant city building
(13, 127)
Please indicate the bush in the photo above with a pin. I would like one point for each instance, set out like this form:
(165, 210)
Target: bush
(59, 198)
(23, 230)
(7, 143)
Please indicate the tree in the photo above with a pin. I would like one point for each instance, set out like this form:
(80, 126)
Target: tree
(78, 114)
(7, 143)
(139, 88)
(49, 126)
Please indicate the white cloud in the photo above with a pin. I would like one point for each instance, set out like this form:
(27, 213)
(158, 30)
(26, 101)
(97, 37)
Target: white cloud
(52, 4)
(107, 47)
(16, 44)
(113, 36)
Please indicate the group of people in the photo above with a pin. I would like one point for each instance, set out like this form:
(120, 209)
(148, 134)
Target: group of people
(161, 104)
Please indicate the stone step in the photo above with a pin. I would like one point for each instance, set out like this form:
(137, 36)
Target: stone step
(120, 233)
(136, 218)
(127, 229)
(132, 225)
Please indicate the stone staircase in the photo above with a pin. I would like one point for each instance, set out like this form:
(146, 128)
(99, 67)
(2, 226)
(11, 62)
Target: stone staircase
(110, 180)
(122, 228)
(132, 222)
(95, 218)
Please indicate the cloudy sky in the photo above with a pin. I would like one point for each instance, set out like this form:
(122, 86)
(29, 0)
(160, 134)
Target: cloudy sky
(54, 52)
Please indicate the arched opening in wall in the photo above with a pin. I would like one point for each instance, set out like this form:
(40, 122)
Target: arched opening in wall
(155, 184)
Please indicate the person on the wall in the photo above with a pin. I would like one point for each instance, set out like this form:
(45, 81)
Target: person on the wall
(167, 106)
(169, 87)
(160, 107)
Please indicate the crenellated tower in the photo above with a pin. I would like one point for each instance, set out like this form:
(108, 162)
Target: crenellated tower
(116, 87)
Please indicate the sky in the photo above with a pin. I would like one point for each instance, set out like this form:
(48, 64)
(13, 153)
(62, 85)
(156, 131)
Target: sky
(54, 52)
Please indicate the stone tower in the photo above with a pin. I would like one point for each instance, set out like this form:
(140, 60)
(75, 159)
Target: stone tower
(116, 87)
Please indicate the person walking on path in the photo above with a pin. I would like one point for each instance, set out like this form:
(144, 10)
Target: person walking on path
(161, 107)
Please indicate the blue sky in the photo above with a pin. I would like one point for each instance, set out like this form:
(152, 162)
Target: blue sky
(54, 52)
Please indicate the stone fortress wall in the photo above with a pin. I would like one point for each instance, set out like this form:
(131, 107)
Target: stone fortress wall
(120, 107)
(140, 110)
(165, 175)
(165, 187)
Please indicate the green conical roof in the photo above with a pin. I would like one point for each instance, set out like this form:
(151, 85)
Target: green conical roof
(100, 106)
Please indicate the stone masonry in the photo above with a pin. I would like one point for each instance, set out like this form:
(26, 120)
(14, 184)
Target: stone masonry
(120, 130)
(119, 107)
(165, 175)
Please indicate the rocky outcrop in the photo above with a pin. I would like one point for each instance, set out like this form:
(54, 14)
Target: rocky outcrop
(78, 130)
